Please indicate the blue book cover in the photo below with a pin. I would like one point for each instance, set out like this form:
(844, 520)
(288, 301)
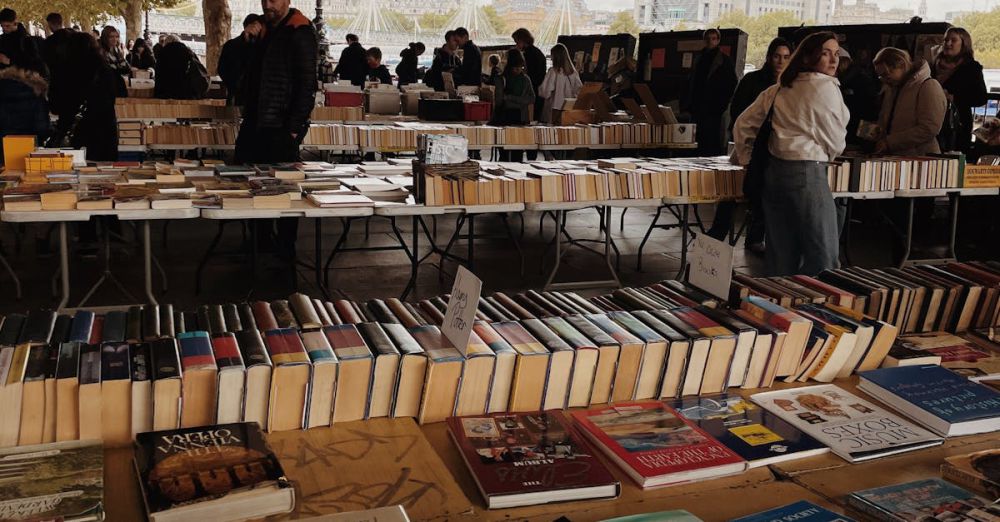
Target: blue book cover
(752, 432)
(920, 501)
(800, 511)
(938, 391)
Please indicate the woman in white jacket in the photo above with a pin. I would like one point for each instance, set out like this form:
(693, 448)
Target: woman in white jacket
(809, 125)
(561, 82)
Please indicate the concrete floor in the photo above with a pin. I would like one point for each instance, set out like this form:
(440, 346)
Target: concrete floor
(361, 276)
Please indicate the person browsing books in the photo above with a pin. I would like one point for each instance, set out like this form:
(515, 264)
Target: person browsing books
(809, 122)
(352, 65)
(913, 105)
(961, 76)
(235, 57)
(713, 80)
(445, 60)
(514, 93)
(470, 72)
(753, 83)
(561, 82)
(376, 71)
(406, 70)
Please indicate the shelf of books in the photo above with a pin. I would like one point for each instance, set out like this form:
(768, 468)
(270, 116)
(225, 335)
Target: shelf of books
(660, 397)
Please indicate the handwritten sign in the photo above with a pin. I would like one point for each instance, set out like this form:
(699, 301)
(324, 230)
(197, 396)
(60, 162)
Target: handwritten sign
(462, 306)
(711, 265)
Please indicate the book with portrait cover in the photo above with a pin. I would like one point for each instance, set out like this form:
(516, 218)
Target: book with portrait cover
(655, 445)
(217, 472)
(754, 433)
(929, 500)
(58, 481)
(522, 459)
(853, 428)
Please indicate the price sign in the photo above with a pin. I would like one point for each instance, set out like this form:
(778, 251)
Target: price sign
(462, 306)
(711, 265)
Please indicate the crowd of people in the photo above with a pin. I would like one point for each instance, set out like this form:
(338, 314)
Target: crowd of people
(802, 108)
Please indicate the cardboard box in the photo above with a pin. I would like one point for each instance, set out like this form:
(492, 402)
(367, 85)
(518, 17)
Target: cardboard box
(411, 103)
(382, 102)
(572, 116)
(681, 133)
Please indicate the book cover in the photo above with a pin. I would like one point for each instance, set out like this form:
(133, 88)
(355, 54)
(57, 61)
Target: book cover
(752, 432)
(285, 346)
(525, 453)
(651, 440)
(937, 391)
(677, 515)
(801, 511)
(949, 347)
(928, 500)
(196, 350)
(853, 428)
(978, 471)
(203, 463)
(227, 352)
(165, 358)
(59, 481)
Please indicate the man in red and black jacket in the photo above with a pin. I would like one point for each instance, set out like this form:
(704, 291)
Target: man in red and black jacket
(280, 89)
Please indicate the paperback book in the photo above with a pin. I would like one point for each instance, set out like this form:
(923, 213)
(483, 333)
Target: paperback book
(58, 481)
(853, 428)
(522, 459)
(801, 511)
(930, 500)
(978, 471)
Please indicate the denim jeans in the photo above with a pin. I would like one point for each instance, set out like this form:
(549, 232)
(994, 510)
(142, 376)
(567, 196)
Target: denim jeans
(802, 232)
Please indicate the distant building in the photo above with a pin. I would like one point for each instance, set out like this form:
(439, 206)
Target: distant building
(665, 14)
(862, 12)
(951, 16)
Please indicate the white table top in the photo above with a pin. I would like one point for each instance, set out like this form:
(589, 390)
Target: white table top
(299, 209)
(985, 191)
(576, 205)
(385, 208)
(881, 194)
(484, 209)
(54, 216)
(699, 200)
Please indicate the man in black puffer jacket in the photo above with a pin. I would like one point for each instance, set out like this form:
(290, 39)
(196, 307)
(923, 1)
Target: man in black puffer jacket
(280, 89)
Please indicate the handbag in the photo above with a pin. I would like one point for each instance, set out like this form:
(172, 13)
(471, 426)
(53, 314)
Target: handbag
(950, 128)
(753, 182)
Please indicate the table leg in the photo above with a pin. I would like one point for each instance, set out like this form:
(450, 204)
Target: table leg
(63, 265)
(413, 253)
(953, 232)
(510, 234)
(684, 242)
(845, 234)
(317, 258)
(606, 217)
(558, 240)
(649, 231)
(148, 261)
(908, 237)
(14, 278)
(472, 242)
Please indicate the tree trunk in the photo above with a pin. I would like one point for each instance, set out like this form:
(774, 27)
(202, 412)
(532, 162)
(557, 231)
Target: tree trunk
(132, 13)
(218, 25)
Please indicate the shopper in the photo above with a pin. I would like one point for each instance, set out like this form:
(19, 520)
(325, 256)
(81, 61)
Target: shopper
(495, 71)
(377, 72)
(445, 60)
(961, 76)
(514, 93)
(913, 105)
(236, 55)
(561, 82)
(141, 56)
(19, 48)
(180, 75)
(353, 63)
(861, 91)
(406, 70)
(54, 23)
(8, 21)
(779, 51)
(713, 80)
(534, 63)
(161, 40)
(809, 121)
(112, 50)
(87, 88)
(53, 49)
(23, 107)
(471, 70)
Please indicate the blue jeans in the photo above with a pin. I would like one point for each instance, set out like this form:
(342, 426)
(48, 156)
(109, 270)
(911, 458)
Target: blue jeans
(802, 232)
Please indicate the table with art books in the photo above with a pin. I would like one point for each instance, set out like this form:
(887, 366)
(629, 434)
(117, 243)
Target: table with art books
(63, 218)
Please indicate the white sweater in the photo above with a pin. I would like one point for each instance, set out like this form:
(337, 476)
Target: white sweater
(555, 88)
(809, 122)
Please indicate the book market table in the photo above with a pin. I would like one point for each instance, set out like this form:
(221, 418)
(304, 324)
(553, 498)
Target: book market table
(62, 218)
(953, 194)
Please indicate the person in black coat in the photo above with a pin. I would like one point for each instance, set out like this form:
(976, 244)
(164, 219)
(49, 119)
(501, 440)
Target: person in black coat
(235, 57)
(713, 81)
(534, 64)
(471, 70)
(141, 55)
(861, 91)
(376, 71)
(779, 51)
(445, 60)
(961, 76)
(180, 75)
(23, 109)
(353, 63)
(406, 70)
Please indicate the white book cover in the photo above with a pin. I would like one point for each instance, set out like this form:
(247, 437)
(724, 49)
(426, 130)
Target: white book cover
(852, 427)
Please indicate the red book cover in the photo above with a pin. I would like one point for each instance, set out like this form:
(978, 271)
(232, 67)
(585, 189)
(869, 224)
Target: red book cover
(703, 323)
(227, 352)
(263, 316)
(770, 313)
(285, 347)
(514, 457)
(97, 330)
(655, 445)
(844, 297)
(672, 295)
(346, 341)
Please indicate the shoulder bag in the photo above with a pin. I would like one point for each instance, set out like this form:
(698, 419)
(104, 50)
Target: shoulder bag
(753, 182)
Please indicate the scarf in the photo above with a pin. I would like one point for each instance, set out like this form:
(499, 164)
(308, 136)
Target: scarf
(944, 67)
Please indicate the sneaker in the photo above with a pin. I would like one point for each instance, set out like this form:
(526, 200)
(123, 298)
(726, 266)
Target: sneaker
(756, 248)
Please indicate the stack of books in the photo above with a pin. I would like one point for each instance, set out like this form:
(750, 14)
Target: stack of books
(130, 133)
(148, 108)
(192, 134)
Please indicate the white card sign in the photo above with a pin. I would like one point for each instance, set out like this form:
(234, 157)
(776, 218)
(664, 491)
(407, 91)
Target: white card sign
(462, 306)
(711, 265)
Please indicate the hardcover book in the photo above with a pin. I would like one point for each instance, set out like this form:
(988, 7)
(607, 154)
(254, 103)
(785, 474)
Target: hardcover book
(978, 471)
(938, 398)
(801, 511)
(655, 445)
(853, 428)
(752, 432)
(58, 481)
(524, 459)
(930, 500)
(218, 472)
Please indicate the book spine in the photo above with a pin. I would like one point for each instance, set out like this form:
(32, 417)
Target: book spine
(321, 312)
(510, 307)
(263, 316)
(381, 312)
(151, 323)
(283, 314)
(304, 312)
(401, 313)
(133, 328)
(167, 327)
(348, 314)
(247, 319)
(231, 317)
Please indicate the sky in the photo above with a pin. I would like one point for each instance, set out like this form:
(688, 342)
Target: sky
(935, 8)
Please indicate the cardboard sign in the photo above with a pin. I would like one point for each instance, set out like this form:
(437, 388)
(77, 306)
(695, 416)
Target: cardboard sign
(462, 306)
(711, 265)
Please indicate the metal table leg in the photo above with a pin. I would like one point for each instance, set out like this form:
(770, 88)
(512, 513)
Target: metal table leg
(63, 265)
(608, 244)
(908, 235)
(645, 238)
(684, 242)
(559, 215)
(13, 276)
(148, 261)
(953, 198)
(317, 258)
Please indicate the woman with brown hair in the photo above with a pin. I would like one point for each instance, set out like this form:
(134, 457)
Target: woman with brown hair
(111, 47)
(961, 76)
(913, 105)
(804, 119)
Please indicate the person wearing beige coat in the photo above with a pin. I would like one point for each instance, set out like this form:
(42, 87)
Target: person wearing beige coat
(913, 105)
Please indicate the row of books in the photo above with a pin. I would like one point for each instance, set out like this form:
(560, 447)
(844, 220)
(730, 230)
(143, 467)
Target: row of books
(923, 298)
(192, 134)
(890, 173)
(596, 180)
(303, 363)
(127, 108)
